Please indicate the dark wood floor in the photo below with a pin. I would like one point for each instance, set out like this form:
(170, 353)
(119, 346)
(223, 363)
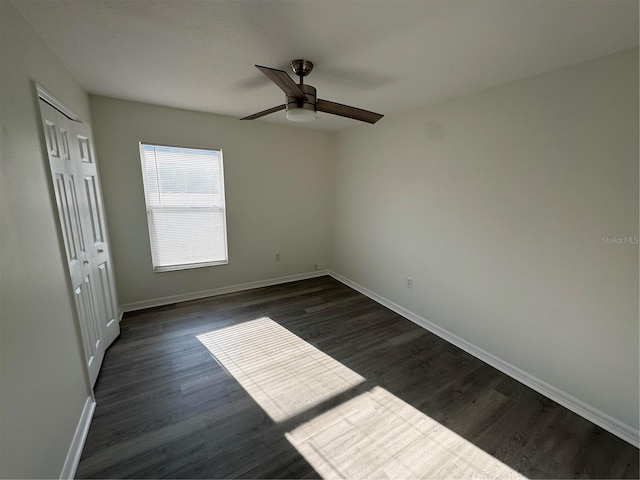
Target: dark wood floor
(327, 384)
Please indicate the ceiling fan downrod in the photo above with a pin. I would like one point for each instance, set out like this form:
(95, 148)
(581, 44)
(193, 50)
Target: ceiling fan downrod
(301, 67)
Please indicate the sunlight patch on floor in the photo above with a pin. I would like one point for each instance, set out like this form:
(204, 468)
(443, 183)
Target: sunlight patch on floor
(378, 435)
(373, 435)
(284, 374)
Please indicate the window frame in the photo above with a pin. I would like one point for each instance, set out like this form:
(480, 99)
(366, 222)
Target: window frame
(149, 210)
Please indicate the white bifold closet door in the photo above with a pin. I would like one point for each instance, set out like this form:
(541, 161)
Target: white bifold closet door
(80, 210)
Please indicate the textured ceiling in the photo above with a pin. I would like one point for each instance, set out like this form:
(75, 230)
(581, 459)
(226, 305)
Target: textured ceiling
(386, 56)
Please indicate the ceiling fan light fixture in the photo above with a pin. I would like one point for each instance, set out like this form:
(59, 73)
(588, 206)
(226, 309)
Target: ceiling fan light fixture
(302, 110)
(300, 114)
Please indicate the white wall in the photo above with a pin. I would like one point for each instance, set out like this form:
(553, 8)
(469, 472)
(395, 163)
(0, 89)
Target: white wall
(43, 386)
(497, 204)
(277, 195)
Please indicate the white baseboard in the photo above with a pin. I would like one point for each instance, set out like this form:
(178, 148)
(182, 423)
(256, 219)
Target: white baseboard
(158, 302)
(77, 444)
(625, 432)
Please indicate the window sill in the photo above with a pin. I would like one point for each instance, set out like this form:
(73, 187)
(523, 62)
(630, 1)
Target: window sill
(171, 268)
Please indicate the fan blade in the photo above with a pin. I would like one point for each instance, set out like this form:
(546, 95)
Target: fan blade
(264, 112)
(347, 111)
(284, 81)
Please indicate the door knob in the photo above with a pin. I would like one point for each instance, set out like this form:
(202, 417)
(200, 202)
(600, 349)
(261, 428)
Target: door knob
(100, 250)
(86, 262)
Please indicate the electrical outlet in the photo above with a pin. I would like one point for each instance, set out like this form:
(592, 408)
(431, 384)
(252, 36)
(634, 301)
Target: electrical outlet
(321, 266)
(277, 257)
(409, 282)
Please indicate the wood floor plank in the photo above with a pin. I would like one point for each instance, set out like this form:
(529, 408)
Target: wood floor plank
(415, 406)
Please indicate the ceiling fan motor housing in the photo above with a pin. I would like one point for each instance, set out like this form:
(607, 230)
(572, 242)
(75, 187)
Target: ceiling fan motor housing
(309, 104)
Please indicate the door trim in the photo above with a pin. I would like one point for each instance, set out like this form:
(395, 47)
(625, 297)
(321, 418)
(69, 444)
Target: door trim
(45, 95)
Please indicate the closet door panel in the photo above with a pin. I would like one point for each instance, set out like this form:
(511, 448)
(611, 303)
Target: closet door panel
(96, 233)
(83, 230)
(64, 175)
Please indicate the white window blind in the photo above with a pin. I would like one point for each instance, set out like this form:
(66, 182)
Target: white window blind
(184, 193)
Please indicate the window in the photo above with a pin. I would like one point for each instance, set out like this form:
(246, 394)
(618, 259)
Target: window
(184, 193)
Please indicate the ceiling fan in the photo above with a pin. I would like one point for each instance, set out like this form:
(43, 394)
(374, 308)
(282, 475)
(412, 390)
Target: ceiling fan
(302, 103)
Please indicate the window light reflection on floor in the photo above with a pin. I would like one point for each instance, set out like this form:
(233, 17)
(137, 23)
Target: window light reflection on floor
(373, 435)
(378, 435)
(284, 374)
